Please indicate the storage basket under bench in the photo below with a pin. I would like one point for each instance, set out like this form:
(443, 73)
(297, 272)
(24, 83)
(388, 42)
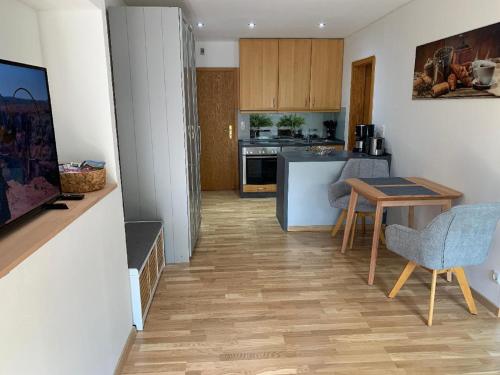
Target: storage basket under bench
(146, 260)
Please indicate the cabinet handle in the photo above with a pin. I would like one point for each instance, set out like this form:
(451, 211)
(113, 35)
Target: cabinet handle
(230, 131)
(314, 102)
(274, 102)
(306, 102)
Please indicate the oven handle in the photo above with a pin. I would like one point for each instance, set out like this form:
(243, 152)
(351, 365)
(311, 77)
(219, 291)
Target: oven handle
(261, 156)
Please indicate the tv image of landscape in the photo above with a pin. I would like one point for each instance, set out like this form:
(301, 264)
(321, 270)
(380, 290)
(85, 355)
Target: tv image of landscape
(29, 174)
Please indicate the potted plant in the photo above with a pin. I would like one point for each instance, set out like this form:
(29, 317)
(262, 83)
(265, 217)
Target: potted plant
(257, 122)
(292, 122)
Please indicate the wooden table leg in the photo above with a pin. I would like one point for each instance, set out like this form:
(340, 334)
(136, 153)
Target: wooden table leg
(411, 216)
(353, 201)
(379, 211)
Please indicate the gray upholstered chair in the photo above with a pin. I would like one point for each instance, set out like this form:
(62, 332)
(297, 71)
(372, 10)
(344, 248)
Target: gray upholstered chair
(340, 192)
(455, 239)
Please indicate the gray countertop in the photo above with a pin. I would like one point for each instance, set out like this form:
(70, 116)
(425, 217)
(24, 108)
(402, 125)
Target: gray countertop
(289, 142)
(308, 156)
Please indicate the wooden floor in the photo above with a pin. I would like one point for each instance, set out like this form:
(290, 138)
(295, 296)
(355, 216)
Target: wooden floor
(255, 300)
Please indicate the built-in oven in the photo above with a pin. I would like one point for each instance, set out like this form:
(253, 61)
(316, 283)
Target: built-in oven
(259, 169)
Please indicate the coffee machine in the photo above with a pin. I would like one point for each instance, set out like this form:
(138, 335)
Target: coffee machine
(363, 133)
(331, 127)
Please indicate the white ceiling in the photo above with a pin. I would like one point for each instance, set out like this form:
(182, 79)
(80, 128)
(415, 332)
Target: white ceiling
(61, 4)
(228, 19)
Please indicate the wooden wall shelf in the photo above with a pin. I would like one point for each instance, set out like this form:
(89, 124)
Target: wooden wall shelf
(23, 239)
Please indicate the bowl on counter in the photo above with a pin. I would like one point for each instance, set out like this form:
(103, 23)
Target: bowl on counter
(322, 150)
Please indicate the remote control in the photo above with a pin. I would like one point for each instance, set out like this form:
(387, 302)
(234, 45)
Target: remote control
(71, 197)
(55, 206)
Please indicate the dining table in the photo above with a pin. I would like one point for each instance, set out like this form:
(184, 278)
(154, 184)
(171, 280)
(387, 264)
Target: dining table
(388, 192)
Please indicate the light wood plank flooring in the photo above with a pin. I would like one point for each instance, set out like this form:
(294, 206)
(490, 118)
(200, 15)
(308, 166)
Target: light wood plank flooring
(255, 300)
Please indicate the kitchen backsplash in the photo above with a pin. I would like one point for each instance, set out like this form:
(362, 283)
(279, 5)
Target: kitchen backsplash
(313, 123)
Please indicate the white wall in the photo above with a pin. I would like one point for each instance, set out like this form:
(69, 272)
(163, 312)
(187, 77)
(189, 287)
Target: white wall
(20, 38)
(218, 54)
(114, 3)
(75, 47)
(67, 307)
(454, 142)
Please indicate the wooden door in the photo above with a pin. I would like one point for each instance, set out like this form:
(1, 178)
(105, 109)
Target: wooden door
(258, 74)
(217, 112)
(361, 102)
(326, 74)
(294, 74)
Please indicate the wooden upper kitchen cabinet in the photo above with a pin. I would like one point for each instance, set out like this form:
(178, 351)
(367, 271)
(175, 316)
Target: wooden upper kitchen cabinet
(258, 74)
(326, 74)
(294, 74)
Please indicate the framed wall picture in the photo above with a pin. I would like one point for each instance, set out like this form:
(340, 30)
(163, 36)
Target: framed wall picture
(466, 65)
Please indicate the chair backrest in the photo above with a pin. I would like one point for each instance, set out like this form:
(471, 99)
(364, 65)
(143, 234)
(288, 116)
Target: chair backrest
(464, 234)
(365, 168)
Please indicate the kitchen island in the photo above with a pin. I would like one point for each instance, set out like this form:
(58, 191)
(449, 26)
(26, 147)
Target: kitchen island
(258, 160)
(303, 180)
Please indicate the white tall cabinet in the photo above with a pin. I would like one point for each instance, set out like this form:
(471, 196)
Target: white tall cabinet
(154, 74)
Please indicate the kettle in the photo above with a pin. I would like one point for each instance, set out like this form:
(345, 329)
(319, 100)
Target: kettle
(377, 146)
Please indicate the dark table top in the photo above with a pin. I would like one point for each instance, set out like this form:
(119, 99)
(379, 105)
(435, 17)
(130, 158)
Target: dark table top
(140, 237)
(416, 189)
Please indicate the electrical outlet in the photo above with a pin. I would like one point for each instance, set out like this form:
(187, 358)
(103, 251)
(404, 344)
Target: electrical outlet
(495, 275)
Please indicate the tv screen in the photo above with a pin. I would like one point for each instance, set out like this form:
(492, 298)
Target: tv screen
(29, 175)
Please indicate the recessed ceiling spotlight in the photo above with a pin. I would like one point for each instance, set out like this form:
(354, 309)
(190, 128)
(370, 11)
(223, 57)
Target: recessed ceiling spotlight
(252, 25)
(322, 25)
(200, 25)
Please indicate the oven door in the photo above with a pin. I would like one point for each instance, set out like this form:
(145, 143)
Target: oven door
(259, 173)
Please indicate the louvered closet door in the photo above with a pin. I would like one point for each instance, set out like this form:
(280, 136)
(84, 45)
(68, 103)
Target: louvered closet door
(197, 140)
(189, 129)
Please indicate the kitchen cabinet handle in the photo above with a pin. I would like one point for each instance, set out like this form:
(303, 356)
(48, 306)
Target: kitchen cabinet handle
(274, 102)
(230, 131)
(306, 102)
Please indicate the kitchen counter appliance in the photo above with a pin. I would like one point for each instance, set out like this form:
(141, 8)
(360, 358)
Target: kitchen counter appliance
(259, 169)
(377, 146)
(331, 128)
(363, 133)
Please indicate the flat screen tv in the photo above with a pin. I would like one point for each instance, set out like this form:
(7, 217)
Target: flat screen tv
(29, 174)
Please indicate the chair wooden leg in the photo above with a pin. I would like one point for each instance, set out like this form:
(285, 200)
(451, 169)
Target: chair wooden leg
(407, 271)
(464, 286)
(339, 222)
(433, 295)
(353, 200)
(353, 232)
(382, 235)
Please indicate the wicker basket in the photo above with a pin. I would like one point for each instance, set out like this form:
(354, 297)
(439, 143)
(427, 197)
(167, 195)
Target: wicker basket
(83, 182)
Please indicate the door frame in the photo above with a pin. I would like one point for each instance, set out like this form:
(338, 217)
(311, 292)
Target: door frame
(352, 126)
(236, 110)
